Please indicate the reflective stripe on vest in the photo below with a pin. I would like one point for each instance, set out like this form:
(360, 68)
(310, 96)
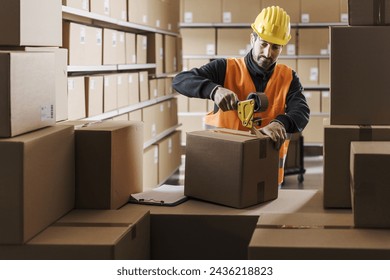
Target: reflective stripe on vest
(238, 80)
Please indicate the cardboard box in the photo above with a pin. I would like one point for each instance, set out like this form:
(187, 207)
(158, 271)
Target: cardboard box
(290, 62)
(197, 105)
(233, 41)
(202, 11)
(118, 9)
(183, 103)
(240, 11)
(76, 98)
(199, 41)
(370, 193)
(314, 131)
(292, 8)
(89, 235)
(101, 7)
(94, 95)
(110, 92)
(172, 14)
(236, 184)
(325, 101)
(142, 45)
(313, 99)
(169, 156)
(133, 87)
(161, 87)
(27, 91)
(320, 237)
(329, 11)
(324, 65)
(114, 50)
(150, 168)
(108, 185)
(138, 11)
(190, 122)
(292, 46)
(354, 102)
(170, 54)
(77, 4)
(36, 181)
(155, 51)
(308, 71)
(31, 23)
(143, 86)
(314, 41)
(122, 117)
(337, 153)
(153, 91)
(369, 12)
(131, 53)
(123, 89)
(84, 44)
(150, 122)
(136, 115)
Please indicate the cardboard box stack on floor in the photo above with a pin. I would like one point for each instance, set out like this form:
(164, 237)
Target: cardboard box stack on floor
(359, 112)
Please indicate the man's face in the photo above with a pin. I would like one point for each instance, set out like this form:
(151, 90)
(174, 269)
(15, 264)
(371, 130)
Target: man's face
(264, 53)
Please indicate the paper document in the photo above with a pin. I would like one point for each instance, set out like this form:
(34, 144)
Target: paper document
(165, 195)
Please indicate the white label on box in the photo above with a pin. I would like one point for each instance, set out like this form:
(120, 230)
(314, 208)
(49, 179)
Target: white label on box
(157, 23)
(114, 39)
(121, 37)
(98, 37)
(305, 18)
(210, 49)
(325, 94)
(134, 58)
(290, 49)
(162, 107)
(188, 17)
(82, 35)
(155, 93)
(155, 155)
(161, 53)
(144, 42)
(84, 5)
(344, 17)
(141, 77)
(169, 104)
(124, 15)
(145, 18)
(170, 146)
(154, 130)
(314, 74)
(91, 84)
(107, 7)
(119, 80)
(308, 94)
(70, 84)
(174, 63)
(324, 51)
(130, 79)
(47, 112)
(227, 17)
(169, 26)
(106, 81)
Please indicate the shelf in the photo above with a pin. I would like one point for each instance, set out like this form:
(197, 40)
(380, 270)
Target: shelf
(248, 25)
(160, 136)
(193, 114)
(322, 56)
(316, 88)
(130, 108)
(107, 68)
(136, 66)
(82, 16)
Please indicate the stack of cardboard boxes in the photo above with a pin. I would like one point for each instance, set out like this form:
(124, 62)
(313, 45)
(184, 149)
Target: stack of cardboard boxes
(49, 169)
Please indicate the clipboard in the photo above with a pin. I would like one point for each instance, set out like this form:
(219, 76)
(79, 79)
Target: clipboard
(164, 195)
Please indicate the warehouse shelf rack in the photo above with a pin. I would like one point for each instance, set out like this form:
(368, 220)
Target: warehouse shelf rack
(160, 136)
(281, 57)
(248, 25)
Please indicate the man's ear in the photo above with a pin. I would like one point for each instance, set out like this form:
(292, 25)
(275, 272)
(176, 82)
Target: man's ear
(253, 39)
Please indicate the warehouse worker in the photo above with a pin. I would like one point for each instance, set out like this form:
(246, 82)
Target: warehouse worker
(226, 81)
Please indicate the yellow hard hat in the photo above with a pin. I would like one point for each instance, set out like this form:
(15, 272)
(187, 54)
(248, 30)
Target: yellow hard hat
(273, 25)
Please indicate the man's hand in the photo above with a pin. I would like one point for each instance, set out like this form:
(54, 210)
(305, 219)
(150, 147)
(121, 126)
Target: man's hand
(276, 132)
(225, 99)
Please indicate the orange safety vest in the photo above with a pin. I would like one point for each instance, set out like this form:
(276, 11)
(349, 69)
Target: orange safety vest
(238, 80)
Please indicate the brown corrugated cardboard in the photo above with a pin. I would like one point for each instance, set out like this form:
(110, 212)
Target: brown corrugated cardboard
(114, 50)
(31, 23)
(169, 157)
(78, 4)
(292, 63)
(324, 65)
(313, 41)
(150, 121)
(354, 98)
(143, 86)
(337, 153)
(190, 122)
(101, 7)
(118, 9)
(313, 99)
(168, 86)
(318, 236)
(292, 45)
(344, 11)
(155, 51)
(292, 7)
(150, 168)
(138, 12)
(27, 91)
(244, 11)
(325, 101)
(89, 235)
(110, 92)
(84, 44)
(76, 98)
(308, 71)
(170, 54)
(329, 11)
(201, 41)
(133, 87)
(122, 89)
(37, 181)
(161, 87)
(131, 54)
(108, 185)
(141, 44)
(94, 95)
(202, 11)
(153, 91)
(182, 102)
(172, 13)
(249, 176)
(314, 131)
(136, 115)
(197, 105)
(369, 184)
(368, 12)
(233, 41)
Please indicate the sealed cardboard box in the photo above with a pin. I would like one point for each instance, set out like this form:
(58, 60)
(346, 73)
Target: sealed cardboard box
(76, 98)
(27, 91)
(110, 92)
(325, 101)
(292, 46)
(101, 7)
(141, 46)
(245, 176)
(169, 157)
(94, 95)
(78, 4)
(313, 99)
(233, 41)
(328, 236)
(36, 181)
(31, 23)
(292, 7)
(118, 9)
(314, 131)
(136, 115)
(133, 87)
(150, 122)
(190, 122)
(139, 12)
(240, 11)
(368, 12)
(153, 91)
(89, 235)
(201, 41)
(311, 13)
(202, 11)
(150, 168)
(324, 75)
(308, 71)
(131, 54)
(355, 102)
(313, 41)
(143, 86)
(170, 54)
(337, 142)
(122, 80)
(108, 185)
(369, 184)
(114, 50)
(155, 51)
(197, 105)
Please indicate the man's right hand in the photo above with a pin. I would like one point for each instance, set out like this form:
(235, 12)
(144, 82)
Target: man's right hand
(225, 99)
